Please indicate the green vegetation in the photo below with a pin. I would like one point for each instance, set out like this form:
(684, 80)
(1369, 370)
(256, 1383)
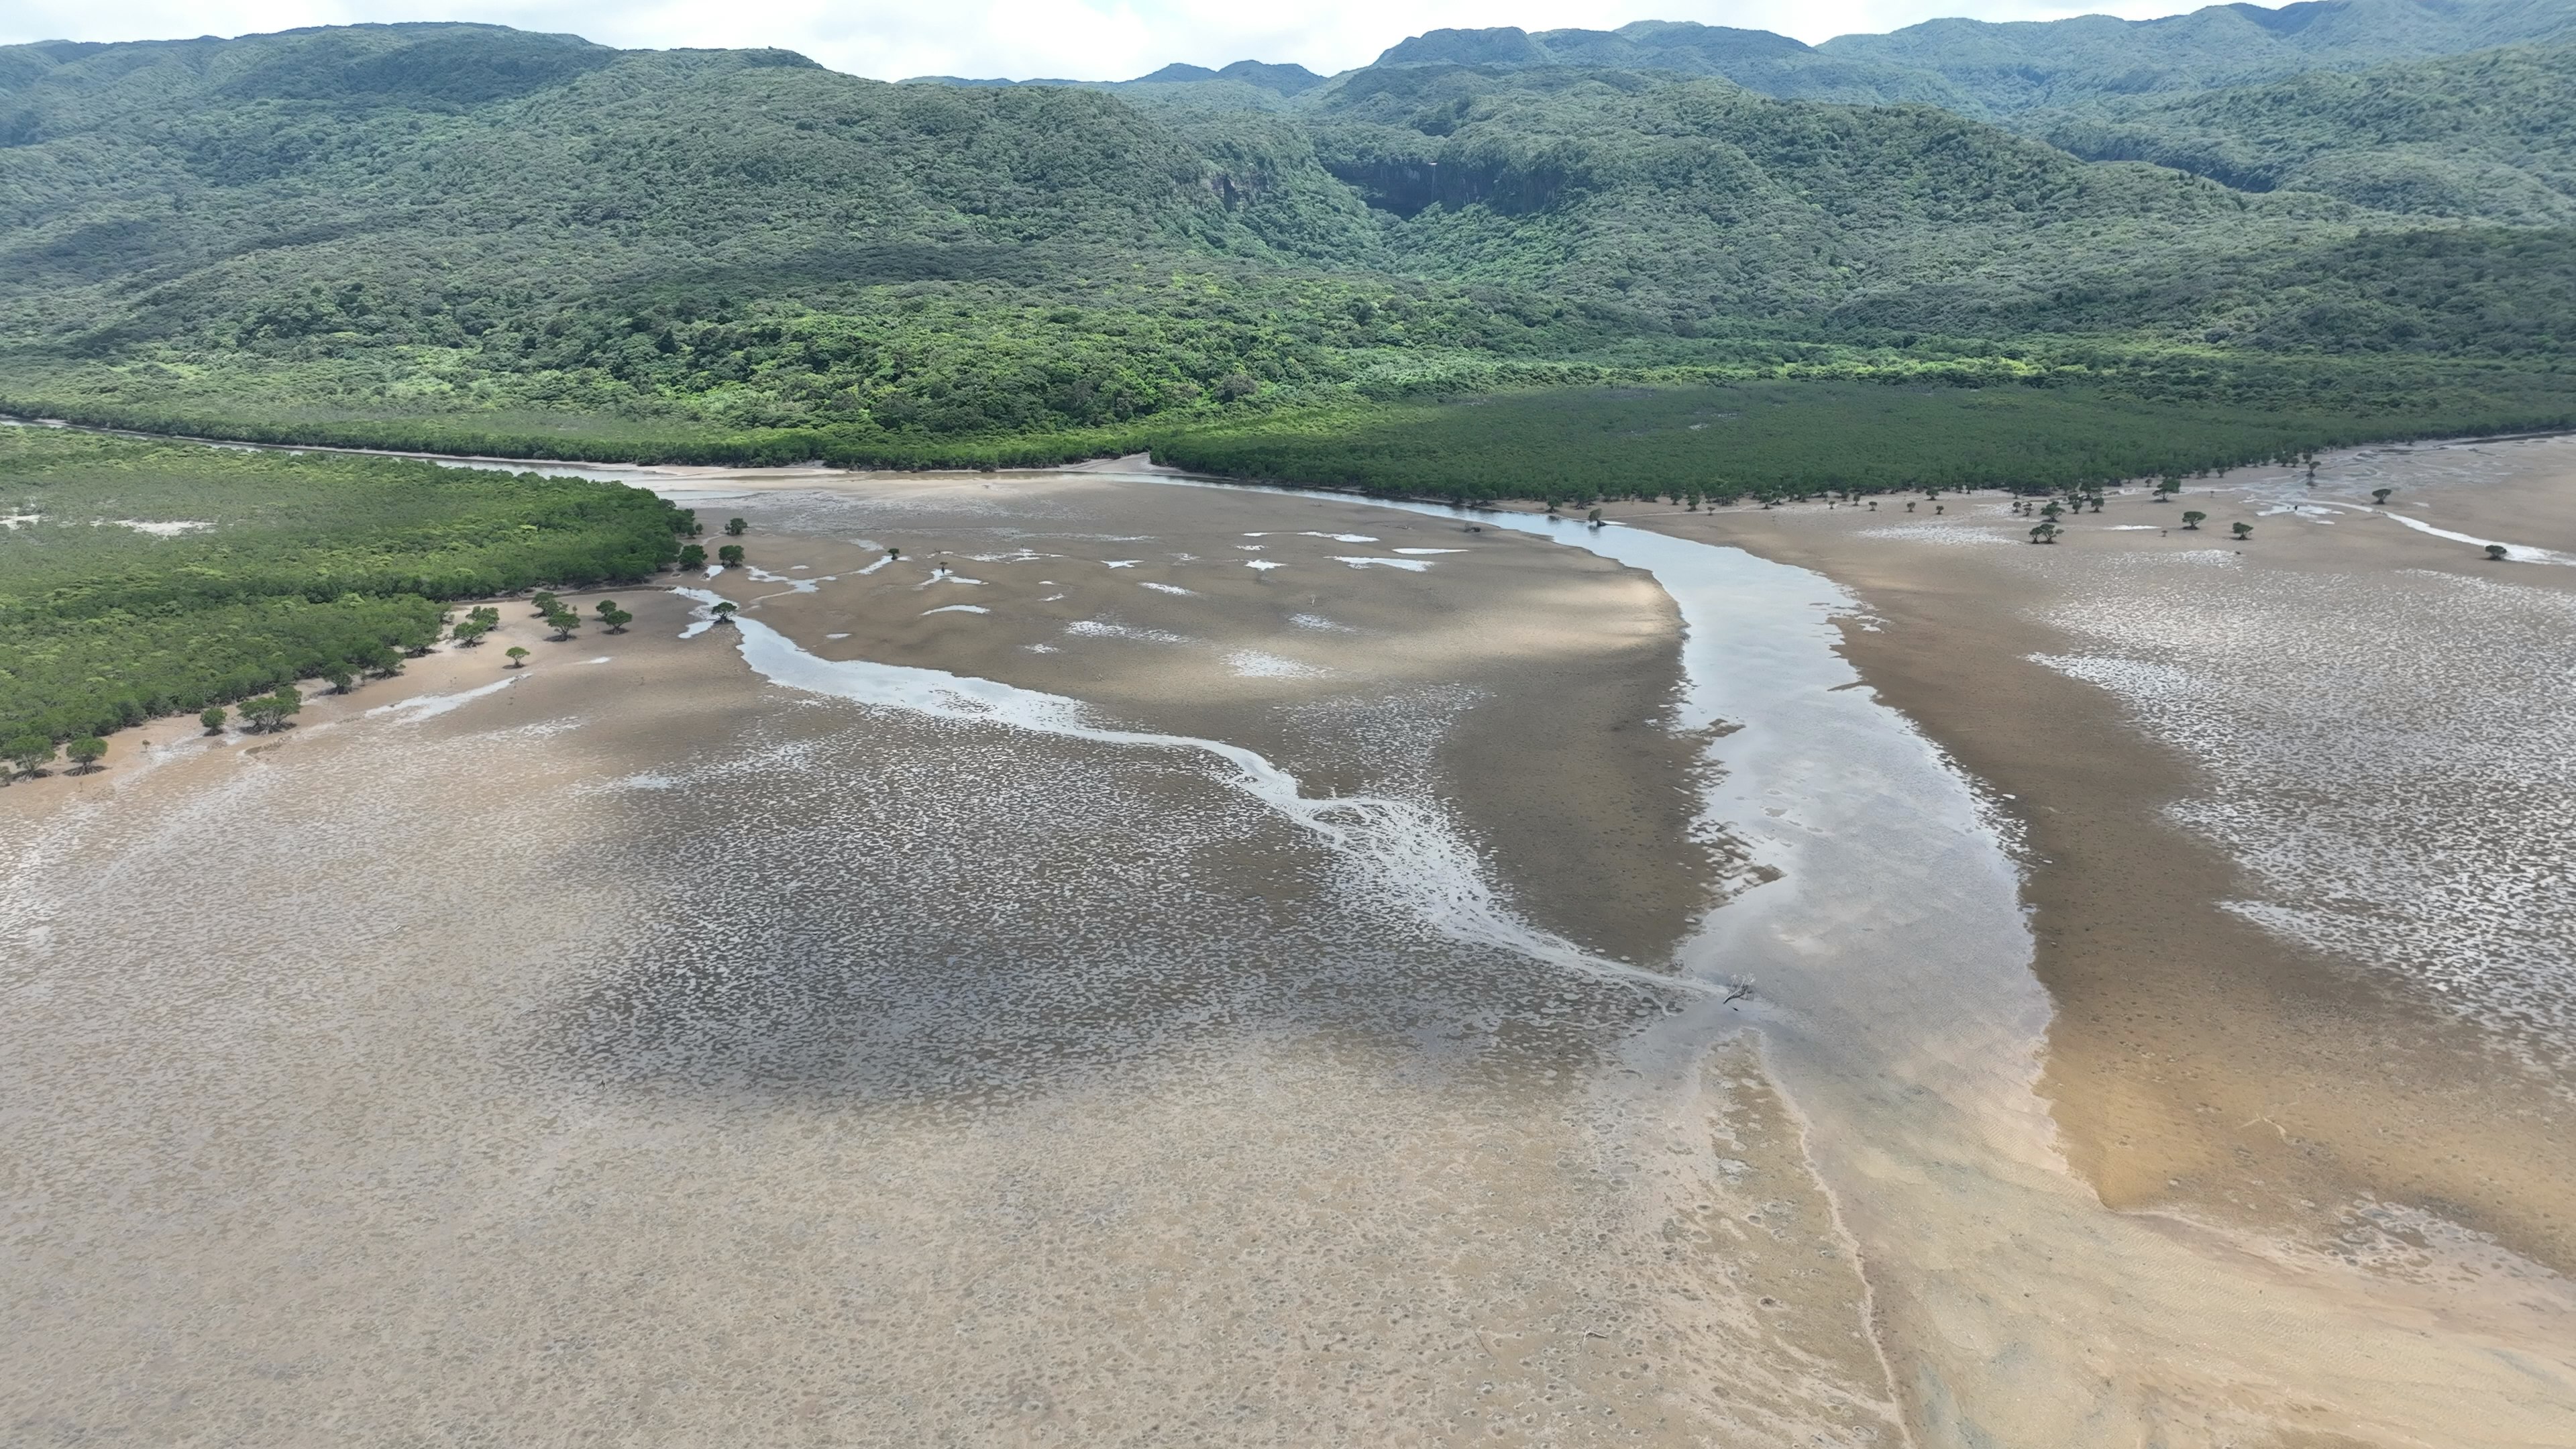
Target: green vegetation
(1575, 265)
(1783, 440)
(1988, 68)
(465, 239)
(30, 753)
(145, 578)
(2488, 135)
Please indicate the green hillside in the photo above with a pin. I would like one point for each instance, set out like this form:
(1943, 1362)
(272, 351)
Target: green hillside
(1562, 266)
(2022, 65)
(465, 237)
(1989, 69)
(2491, 135)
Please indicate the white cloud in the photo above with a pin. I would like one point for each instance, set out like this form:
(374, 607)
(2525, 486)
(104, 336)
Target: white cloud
(1077, 39)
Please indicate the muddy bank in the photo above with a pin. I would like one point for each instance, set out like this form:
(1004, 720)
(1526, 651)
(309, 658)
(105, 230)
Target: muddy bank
(1359, 648)
(2198, 1059)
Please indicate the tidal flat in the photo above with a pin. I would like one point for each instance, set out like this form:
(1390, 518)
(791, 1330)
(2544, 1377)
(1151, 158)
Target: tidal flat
(887, 1020)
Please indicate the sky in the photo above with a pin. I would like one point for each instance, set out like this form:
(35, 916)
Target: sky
(1070, 39)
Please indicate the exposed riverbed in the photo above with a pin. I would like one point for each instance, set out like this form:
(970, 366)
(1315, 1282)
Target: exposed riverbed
(1146, 1008)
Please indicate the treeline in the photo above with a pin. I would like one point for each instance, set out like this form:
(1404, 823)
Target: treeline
(258, 568)
(1781, 440)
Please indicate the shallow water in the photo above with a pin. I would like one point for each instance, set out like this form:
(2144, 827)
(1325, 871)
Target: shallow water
(913, 1059)
(1907, 1027)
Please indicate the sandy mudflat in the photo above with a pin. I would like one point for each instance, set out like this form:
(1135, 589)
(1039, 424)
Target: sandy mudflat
(2333, 785)
(670, 1045)
(642, 1051)
(1359, 648)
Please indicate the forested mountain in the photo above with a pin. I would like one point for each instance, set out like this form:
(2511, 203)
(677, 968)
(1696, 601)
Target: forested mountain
(2016, 66)
(444, 233)
(1989, 69)
(2491, 135)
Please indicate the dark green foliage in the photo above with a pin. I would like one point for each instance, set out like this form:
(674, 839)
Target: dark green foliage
(1784, 440)
(304, 564)
(2489, 135)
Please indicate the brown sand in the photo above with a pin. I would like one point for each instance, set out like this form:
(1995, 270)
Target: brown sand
(2196, 1060)
(1537, 677)
(1318, 1242)
(297, 1157)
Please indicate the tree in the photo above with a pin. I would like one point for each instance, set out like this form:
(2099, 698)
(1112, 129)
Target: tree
(85, 753)
(2193, 519)
(2051, 511)
(212, 717)
(269, 711)
(482, 620)
(30, 753)
(894, 553)
(615, 618)
(734, 527)
(2380, 495)
(383, 661)
(563, 622)
(730, 555)
(693, 557)
(518, 656)
(340, 678)
(543, 602)
(724, 611)
(2243, 530)
(2045, 533)
(2495, 553)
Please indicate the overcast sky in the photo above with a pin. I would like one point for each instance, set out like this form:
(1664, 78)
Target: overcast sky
(1076, 39)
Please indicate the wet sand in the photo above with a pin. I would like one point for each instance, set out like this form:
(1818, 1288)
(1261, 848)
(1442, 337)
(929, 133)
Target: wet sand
(653, 1049)
(644, 1050)
(2199, 1062)
(1360, 649)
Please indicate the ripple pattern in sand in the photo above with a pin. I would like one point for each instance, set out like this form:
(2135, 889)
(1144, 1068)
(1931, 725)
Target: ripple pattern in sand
(2452, 701)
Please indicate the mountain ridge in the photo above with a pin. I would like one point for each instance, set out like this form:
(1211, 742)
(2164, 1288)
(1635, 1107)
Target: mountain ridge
(429, 221)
